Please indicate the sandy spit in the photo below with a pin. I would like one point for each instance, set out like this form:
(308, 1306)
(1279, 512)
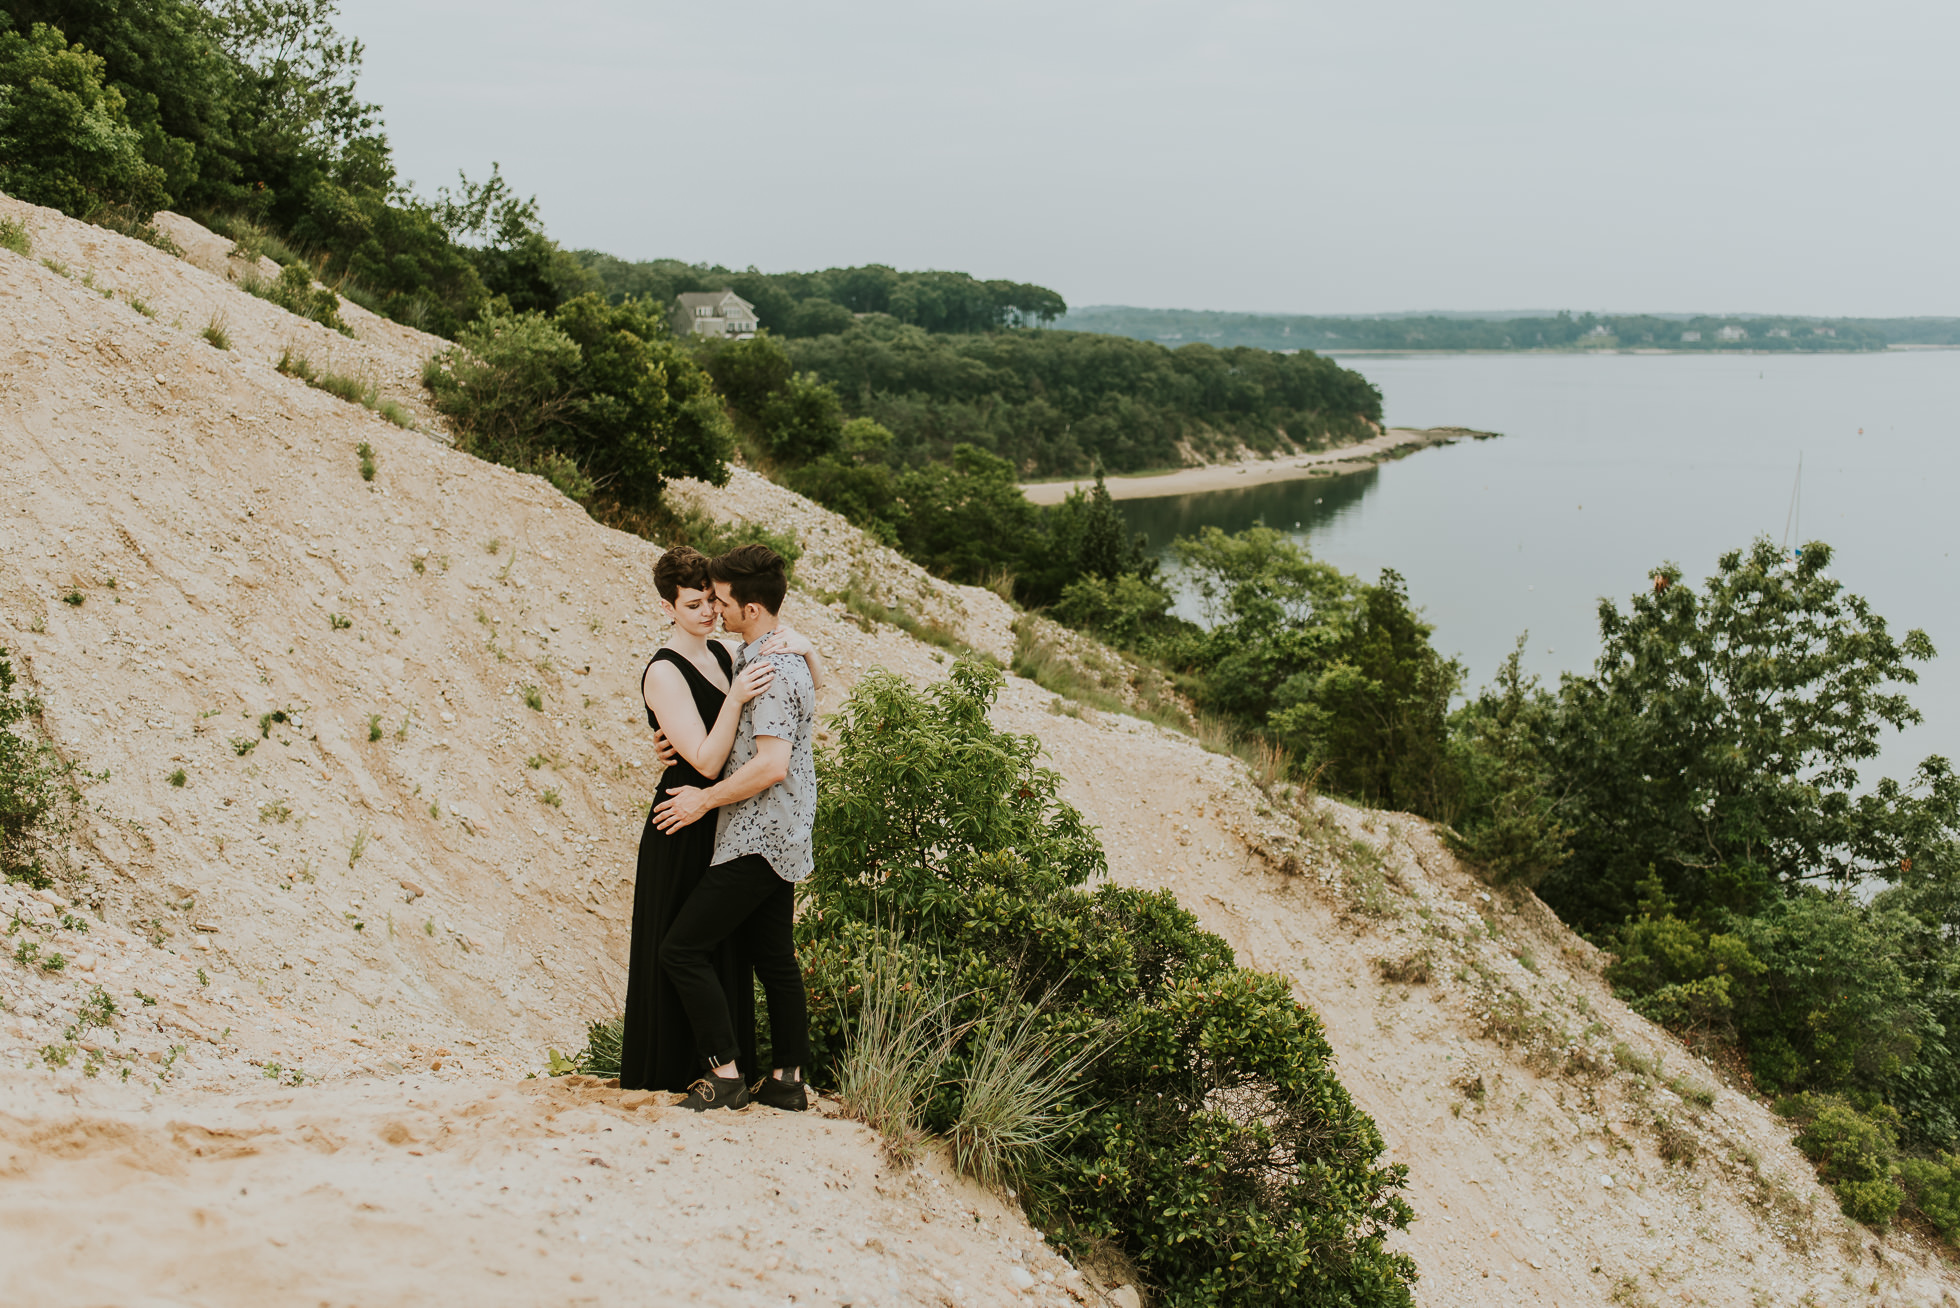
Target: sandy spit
(1390, 444)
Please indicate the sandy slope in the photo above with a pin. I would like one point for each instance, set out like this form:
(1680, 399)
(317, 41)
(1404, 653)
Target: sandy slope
(405, 924)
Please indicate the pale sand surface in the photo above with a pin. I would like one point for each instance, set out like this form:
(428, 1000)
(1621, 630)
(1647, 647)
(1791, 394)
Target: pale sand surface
(413, 987)
(1251, 472)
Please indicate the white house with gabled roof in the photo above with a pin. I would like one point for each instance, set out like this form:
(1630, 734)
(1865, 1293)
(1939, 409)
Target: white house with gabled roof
(713, 313)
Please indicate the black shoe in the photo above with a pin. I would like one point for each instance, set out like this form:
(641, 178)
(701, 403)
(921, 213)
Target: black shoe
(716, 1092)
(785, 1094)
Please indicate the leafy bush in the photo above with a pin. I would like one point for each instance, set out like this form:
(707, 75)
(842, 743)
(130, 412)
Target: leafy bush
(13, 236)
(1933, 1189)
(596, 397)
(1856, 1154)
(1213, 1144)
(38, 796)
(294, 291)
(65, 137)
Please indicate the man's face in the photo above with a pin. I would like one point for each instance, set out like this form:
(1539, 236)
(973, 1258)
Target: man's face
(731, 612)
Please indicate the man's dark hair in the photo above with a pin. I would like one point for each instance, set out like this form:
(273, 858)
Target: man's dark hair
(680, 568)
(755, 574)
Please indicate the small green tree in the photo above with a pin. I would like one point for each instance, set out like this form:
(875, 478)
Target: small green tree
(1719, 737)
(1510, 826)
(65, 137)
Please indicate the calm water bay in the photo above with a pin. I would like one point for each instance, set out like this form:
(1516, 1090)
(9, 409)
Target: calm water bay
(1610, 465)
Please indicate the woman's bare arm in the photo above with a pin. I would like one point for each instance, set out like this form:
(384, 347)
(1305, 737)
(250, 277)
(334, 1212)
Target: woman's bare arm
(704, 747)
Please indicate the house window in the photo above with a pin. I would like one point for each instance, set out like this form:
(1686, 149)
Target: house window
(701, 312)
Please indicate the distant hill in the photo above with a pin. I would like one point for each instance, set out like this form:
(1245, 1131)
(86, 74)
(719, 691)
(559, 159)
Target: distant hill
(1508, 331)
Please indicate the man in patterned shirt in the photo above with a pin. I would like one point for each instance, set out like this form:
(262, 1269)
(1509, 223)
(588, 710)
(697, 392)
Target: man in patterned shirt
(767, 802)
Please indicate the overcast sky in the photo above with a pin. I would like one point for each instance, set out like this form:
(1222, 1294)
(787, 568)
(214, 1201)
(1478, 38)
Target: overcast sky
(1299, 157)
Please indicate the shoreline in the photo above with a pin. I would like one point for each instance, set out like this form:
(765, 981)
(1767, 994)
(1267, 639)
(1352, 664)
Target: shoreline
(1390, 444)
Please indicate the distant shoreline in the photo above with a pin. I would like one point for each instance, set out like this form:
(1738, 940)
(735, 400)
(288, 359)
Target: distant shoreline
(1391, 444)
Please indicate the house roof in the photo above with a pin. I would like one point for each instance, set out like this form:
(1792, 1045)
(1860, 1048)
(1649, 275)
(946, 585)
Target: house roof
(711, 299)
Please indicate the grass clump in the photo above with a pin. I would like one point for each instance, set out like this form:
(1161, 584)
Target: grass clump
(339, 622)
(365, 452)
(276, 811)
(217, 333)
(354, 390)
(178, 778)
(534, 699)
(74, 599)
(13, 236)
(553, 798)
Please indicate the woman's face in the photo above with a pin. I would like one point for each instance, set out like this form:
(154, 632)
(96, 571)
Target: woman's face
(693, 611)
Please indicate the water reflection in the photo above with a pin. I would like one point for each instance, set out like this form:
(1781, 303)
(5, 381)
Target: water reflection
(1295, 507)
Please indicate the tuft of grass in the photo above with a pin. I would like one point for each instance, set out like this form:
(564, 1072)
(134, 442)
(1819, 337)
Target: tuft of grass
(603, 1045)
(495, 545)
(1017, 1087)
(1412, 970)
(536, 761)
(419, 564)
(276, 811)
(401, 732)
(366, 453)
(13, 236)
(553, 798)
(74, 598)
(339, 622)
(374, 727)
(178, 778)
(216, 333)
(354, 390)
(139, 304)
(1675, 1143)
(358, 848)
(243, 745)
(534, 699)
(57, 267)
(894, 1050)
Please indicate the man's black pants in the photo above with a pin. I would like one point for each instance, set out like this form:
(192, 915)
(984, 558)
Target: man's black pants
(743, 899)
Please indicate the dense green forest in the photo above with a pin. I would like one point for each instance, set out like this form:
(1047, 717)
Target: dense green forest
(1560, 331)
(1065, 402)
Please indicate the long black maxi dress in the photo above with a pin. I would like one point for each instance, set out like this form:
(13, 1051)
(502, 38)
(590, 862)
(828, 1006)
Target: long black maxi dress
(658, 1050)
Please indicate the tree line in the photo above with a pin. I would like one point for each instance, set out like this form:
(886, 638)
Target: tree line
(827, 302)
(1560, 331)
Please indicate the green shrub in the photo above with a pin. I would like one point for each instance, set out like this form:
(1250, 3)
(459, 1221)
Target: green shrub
(1857, 1154)
(1213, 1143)
(293, 290)
(594, 396)
(39, 799)
(13, 236)
(1933, 1189)
(216, 335)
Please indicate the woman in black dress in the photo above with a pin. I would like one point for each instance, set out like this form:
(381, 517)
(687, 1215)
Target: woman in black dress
(692, 700)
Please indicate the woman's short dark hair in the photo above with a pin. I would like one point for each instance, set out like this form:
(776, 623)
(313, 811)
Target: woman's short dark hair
(755, 574)
(680, 568)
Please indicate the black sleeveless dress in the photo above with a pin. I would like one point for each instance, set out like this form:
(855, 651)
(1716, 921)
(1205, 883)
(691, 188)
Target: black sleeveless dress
(657, 1049)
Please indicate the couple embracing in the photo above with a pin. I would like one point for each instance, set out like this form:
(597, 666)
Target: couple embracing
(726, 841)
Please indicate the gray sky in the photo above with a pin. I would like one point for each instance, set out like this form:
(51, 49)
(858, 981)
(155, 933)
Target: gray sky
(1402, 154)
